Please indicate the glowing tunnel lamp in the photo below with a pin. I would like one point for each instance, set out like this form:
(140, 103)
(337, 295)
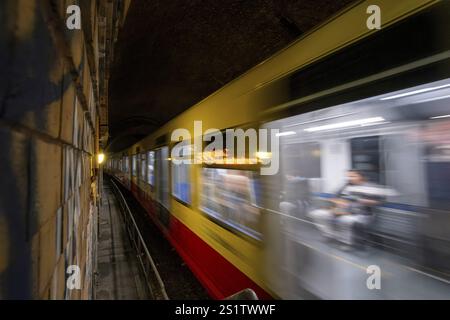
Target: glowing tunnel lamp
(100, 158)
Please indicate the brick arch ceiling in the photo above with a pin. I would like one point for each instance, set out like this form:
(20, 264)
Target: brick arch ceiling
(172, 54)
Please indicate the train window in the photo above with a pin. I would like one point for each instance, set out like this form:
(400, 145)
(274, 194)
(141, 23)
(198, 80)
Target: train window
(138, 166)
(181, 187)
(365, 152)
(134, 165)
(151, 167)
(162, 176)
(230, 197)
(302, 159)
(143, 166)
(126, 164)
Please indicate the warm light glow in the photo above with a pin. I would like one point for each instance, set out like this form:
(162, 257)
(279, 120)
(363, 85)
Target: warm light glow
(100, 158)
(264, 155)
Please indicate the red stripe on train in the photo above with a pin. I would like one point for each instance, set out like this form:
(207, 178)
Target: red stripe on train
(220, 277)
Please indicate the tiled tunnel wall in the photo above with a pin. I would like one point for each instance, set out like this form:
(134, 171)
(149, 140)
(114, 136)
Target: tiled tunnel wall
(48, 134)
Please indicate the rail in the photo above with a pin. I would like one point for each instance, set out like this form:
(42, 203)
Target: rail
(152, 277)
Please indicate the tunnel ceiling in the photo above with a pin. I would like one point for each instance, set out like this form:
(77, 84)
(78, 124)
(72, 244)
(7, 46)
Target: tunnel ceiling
(172, 54)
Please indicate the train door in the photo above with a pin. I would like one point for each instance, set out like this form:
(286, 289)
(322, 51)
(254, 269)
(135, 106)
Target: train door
(436, 227)
(142, 174)
(151, 169)
(126, 171)
(134, 171)
(143, 168)
(162, 185)
(181, 175)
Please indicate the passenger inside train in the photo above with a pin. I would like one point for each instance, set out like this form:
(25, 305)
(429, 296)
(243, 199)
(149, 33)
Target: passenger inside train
(350, 211)
(365, 183)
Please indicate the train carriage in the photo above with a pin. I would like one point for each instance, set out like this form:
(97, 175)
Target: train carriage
(342, 97)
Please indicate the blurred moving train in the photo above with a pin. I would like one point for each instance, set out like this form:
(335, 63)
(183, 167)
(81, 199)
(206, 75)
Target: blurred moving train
(343, 97)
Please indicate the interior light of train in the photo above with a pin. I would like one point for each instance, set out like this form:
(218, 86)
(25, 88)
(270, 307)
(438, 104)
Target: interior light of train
(410, 93)
(440, 117)
(286, 133)
(352, 123)
(433, 99)
(321, 119)
(100, 158)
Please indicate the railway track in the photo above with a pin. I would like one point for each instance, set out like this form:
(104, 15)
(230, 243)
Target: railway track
(167, 275)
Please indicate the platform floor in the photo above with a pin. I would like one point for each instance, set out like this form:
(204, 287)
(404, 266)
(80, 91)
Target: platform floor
(119, 275)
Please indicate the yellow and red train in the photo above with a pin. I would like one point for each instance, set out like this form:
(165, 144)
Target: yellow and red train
(343, 96)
